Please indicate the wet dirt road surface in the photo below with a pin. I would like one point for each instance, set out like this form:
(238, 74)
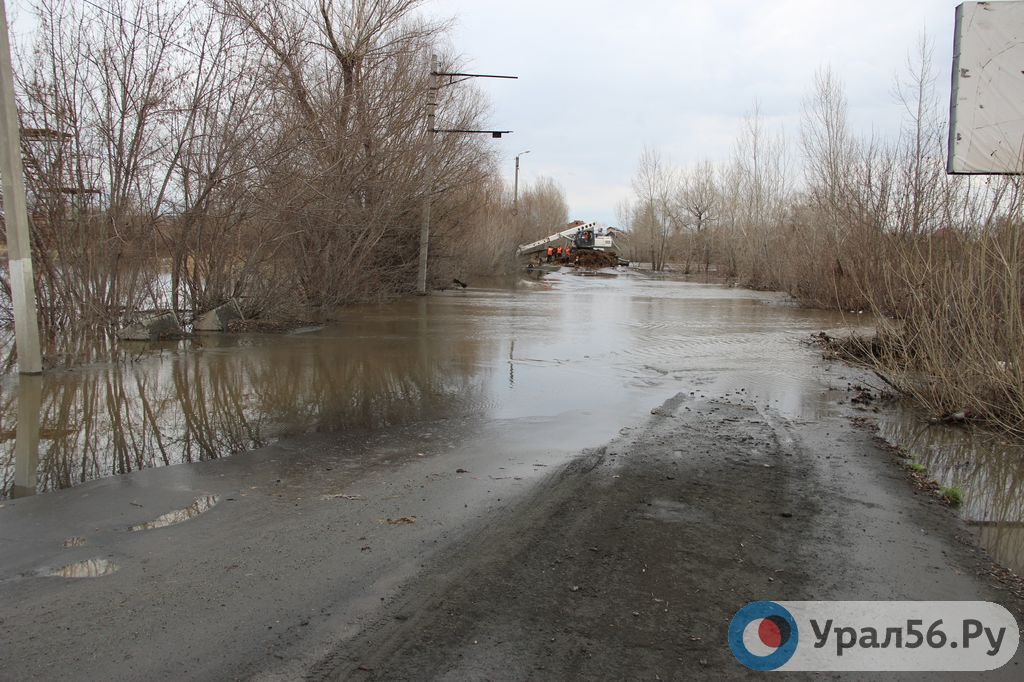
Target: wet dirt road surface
(581, 478)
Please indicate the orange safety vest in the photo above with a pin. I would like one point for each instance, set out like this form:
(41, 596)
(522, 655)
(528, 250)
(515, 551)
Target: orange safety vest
(551, 250)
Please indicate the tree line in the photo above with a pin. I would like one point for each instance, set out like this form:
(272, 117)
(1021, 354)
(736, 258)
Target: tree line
(181, 154)
(862, 223)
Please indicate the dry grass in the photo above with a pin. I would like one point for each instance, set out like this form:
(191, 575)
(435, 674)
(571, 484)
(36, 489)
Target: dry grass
(956, 341)
(880, 227)
(950, 325)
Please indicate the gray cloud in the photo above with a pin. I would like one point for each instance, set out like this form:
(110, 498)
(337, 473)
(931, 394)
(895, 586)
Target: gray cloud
(600, 79)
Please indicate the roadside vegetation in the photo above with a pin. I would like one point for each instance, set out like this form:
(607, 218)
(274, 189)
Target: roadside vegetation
(862, 224)
(181, 154)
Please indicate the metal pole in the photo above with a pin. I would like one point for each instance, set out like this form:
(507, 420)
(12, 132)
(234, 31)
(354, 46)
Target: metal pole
(515, 186)
(515, 190)
(19, 246)
(421, 288)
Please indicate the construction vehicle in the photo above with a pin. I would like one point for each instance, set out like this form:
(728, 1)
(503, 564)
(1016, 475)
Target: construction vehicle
(579, 236)
(587, 239)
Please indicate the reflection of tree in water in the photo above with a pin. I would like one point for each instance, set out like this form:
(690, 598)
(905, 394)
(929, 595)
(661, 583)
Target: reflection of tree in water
(197, 406)
(7, 434)
(985, 466)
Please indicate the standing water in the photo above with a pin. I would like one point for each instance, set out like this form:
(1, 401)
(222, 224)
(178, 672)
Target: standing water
(579, 357)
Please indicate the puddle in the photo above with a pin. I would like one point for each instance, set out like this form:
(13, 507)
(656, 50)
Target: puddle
(200, 505)
(90, 568)
(986, 466)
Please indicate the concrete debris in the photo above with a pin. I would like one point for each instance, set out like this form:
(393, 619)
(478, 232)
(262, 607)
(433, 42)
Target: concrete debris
(162, 326)
(218, 319)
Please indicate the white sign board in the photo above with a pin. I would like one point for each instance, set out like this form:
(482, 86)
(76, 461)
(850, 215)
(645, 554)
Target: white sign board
(986, 120)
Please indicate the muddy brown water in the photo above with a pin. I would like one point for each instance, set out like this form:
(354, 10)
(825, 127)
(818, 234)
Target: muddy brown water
(591, 353)
(987, 467)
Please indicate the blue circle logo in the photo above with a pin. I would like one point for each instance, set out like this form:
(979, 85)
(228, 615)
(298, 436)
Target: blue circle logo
(763, 635)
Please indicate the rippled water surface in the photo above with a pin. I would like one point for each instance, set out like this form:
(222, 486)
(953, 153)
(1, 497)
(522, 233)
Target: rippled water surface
(592, 353)
(592, 350)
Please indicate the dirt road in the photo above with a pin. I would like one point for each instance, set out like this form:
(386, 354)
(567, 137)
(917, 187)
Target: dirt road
(625, 563)
(629, 563)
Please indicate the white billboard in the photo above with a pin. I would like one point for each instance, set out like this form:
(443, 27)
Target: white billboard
(986, 120)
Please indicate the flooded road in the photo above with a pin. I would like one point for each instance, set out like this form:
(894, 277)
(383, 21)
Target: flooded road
(593, 352)
(368, 495)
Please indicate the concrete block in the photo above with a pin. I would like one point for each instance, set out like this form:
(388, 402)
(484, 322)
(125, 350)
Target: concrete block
(162, 326)
(217, 320)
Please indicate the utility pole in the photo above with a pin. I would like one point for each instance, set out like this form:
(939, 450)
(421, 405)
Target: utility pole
(19, 245)
(515, 185)
(436, 85)
(421, 286)
(26, 436)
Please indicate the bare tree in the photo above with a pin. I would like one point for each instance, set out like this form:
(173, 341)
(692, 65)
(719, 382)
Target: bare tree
(272, 152)
(921, 148)
(654, 217)
(699, 194)
(699, 197)
(755, 196)
(543, 210)
(828, 147)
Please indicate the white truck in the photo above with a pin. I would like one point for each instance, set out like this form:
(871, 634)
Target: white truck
(582, 236)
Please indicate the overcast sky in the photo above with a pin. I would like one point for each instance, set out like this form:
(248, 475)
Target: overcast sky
(599, 79)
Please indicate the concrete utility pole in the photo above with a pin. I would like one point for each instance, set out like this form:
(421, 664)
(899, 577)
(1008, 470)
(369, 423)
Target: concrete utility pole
(429, 169)
(515, 185)
(19, 245)
(421, 286)
(26, 436)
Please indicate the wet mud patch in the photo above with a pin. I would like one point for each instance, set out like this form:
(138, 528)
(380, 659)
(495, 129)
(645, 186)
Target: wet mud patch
(671, 511)
(622, 566)
(199, 506)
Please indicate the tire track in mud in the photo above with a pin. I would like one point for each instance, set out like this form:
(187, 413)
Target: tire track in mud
(628, 563)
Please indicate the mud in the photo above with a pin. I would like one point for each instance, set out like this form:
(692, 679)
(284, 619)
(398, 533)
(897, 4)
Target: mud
(629, 563)
(593, 260)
